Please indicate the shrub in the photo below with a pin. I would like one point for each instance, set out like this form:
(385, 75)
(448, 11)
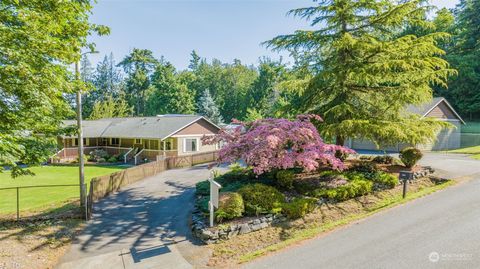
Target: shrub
(410, 156)
(260, 198)
(202, 188)
(101, 160)
(230, 206)
(384, 159)
(299, 207)
(202, 204)
(364, 167)
(285, 179)
(303, 186)
(112, 159)
(98, 154)
(353, 189)
(385, 179)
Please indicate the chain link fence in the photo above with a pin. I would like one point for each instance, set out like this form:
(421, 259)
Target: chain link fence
(38, 202)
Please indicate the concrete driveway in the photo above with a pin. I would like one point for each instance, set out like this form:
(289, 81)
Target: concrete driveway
(143, 226)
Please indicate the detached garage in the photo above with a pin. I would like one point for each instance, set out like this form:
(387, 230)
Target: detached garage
(446, 138)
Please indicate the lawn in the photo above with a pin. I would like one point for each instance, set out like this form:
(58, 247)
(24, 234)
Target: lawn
(40, 199)
(475, 151)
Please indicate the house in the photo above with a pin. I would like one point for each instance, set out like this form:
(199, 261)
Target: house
(438, 108)
(139, 138)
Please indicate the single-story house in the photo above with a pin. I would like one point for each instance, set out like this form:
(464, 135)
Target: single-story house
(139, 138)
(438, 108)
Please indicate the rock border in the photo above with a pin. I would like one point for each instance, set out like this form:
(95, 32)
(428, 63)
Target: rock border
(210, 235)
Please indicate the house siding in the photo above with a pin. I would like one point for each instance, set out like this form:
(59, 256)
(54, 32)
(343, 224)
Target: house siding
(442, 111)
(199, 127)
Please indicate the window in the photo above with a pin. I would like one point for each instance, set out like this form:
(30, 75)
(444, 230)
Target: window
(168, 145)
(75, 142)
(86, 142)
(104, 141)
(138, 141)
(190, 144)
(115, 141)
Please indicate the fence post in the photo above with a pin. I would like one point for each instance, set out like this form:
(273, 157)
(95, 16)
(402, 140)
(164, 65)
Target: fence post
(18, 204)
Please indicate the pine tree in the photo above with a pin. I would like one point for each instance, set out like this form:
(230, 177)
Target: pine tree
(208, 108)
(364, 73)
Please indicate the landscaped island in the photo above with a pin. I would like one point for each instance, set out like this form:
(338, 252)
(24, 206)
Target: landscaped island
(293, 182)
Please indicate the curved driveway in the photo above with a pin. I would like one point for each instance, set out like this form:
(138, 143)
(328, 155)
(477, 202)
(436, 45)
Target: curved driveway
(145, 225)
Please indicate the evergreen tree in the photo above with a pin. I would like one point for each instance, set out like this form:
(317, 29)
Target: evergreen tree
(107, 81)
(167, 95)
(138, 65)
(207, 107)
(111, 107)
(364, 74)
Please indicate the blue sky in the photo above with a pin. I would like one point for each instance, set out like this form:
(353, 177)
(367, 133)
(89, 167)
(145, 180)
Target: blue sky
(222, 29)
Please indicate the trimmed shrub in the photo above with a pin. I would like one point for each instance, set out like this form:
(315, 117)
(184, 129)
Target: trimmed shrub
(112, 159)
(384, 159)
(202, 188)
(202, 204)
(298, 207)
(230, 206)
(101, 160)
(410, 156)
(364, 167)
(353, 189)
(260, 198)
(285, 179)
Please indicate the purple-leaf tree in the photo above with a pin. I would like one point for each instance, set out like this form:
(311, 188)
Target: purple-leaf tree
(269, 144)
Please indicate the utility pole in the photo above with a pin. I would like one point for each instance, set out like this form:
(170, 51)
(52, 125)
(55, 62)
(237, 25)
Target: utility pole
(81, 165)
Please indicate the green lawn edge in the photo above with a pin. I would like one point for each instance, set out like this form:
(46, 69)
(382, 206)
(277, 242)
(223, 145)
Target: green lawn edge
(309, 233)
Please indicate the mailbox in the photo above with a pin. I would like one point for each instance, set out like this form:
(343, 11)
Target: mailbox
(406, 175)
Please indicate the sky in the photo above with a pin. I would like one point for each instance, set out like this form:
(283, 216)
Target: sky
(221, 29)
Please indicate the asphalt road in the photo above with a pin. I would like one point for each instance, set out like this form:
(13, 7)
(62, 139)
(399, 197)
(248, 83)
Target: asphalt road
(441, 230)
(145, 225)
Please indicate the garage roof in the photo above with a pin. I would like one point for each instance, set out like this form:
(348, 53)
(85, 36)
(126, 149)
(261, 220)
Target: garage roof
(424, 109)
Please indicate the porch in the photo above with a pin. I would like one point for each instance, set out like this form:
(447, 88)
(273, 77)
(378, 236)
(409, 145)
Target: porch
(134, 150)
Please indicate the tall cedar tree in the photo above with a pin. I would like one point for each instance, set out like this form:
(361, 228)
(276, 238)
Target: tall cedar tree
(138, 65)
(367, 74)
(39, 39)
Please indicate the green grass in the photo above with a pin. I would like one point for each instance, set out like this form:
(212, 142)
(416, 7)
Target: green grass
(40, 199)
(475, 151)
(312, 232)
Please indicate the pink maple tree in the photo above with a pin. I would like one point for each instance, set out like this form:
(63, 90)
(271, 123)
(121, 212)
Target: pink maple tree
(268, 144)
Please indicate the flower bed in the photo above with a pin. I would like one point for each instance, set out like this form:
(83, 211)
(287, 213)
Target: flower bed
(250, 202)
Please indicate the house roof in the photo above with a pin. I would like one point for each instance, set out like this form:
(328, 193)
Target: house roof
(158, 127)
(424, 109)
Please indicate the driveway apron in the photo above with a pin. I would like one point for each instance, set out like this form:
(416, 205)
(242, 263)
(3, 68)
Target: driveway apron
(145, 225)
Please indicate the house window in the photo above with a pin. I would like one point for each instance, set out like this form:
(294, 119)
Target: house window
(190, 144)
(168, 145)
(104, 141)
(115, 141)
(138, 141)
(86, 142)
(75, 142)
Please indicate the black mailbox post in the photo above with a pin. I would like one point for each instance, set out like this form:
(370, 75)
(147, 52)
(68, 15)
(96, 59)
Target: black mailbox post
(405, 176)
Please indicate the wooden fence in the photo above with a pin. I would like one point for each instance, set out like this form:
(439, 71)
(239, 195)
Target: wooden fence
(104, 185)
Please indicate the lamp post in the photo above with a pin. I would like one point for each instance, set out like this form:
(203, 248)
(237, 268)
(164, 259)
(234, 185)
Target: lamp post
(81, 163)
